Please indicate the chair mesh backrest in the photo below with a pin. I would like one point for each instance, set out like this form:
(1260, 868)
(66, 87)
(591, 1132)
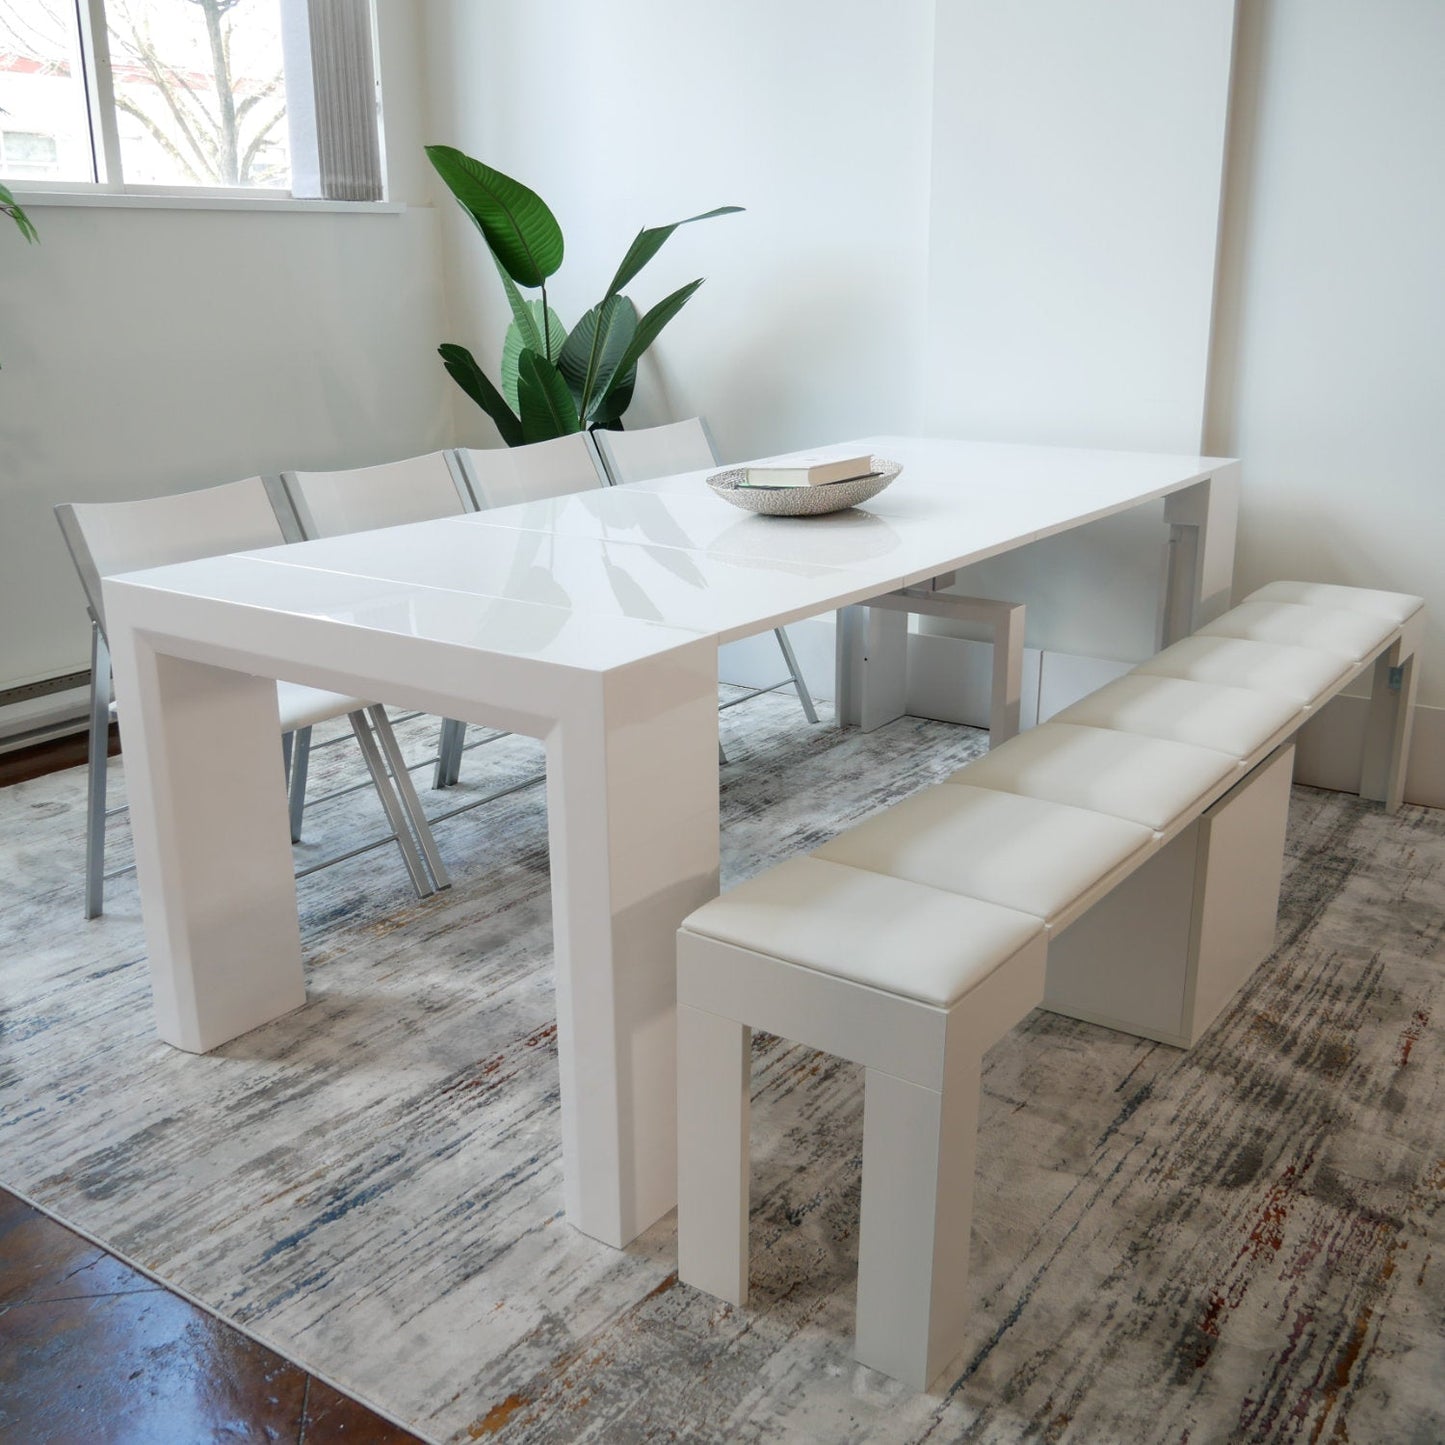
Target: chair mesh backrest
(415, 489)
(502, 476)
(110, 537)
(657, 451)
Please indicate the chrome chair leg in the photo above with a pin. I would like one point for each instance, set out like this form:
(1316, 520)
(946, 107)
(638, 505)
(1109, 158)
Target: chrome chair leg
(449, 753)
(804, 697)
(406, 792)
(300, 758)
(99, 759)
(395, 813)
(458, 747)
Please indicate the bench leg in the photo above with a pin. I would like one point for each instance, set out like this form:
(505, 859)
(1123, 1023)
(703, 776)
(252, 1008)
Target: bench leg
(859, 640)
(1387, 728)
(1008, 673)
(713, 1163)
(872, 663)
(919, 1147)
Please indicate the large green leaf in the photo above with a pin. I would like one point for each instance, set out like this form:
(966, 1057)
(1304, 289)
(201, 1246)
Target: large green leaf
(648, 330)
(9, 206)
(514, 220)
(547, 407)
(522, 315)
(649, 242)
(517, 340)
(594, 348)
(608, 409)
(462, 367)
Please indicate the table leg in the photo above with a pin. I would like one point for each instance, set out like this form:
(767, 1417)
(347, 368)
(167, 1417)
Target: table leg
(208, 812)
(1199, 580)
(632, 794)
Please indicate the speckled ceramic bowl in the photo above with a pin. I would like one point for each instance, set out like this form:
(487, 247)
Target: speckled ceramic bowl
(802, 501)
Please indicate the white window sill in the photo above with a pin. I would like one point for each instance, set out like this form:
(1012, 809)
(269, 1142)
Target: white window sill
(199, 201)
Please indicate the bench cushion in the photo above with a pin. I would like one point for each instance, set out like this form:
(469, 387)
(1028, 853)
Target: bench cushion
(1233, 720)
(885, 933)
(1146, 780)
(1353, 635)
(1397, 606)
(1299, 673)
(1024, 853)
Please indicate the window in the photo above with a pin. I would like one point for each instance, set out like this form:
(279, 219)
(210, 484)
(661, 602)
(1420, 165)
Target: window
(237, 96)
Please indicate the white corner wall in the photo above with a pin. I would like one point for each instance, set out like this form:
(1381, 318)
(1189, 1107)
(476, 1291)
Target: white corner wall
(1078, 152)
(149, 350)
(814, 115)
(1329, 368)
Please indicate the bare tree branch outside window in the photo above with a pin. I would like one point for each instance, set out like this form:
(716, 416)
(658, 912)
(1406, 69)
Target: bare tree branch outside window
(200, 80)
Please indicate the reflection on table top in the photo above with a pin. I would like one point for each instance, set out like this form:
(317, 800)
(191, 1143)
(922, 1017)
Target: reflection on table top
(602, 578)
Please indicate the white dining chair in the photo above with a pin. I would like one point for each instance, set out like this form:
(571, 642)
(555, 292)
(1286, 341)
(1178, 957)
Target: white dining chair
(685, 446)
(504, 476)
(358, 499)
(106, 538)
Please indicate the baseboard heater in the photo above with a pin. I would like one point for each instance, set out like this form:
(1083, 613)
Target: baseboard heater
(26, 718)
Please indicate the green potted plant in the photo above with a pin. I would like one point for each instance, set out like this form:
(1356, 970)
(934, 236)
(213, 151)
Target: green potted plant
(553, 381)
(11, 207)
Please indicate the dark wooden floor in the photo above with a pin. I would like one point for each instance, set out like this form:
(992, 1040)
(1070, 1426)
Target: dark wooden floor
(92, 1351)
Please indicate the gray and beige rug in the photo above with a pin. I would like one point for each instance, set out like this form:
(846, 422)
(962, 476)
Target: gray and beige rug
(1246, 1242)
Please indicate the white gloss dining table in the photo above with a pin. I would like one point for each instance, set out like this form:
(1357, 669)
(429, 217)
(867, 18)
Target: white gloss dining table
(591, 621)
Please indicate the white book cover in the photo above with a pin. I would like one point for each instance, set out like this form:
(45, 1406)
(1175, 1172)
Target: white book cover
(806, 471)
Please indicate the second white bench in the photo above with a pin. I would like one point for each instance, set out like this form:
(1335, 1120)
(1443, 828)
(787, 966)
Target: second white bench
(1120, 863)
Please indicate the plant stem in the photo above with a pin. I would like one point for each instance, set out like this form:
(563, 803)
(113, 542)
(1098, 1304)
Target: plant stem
(546, 322)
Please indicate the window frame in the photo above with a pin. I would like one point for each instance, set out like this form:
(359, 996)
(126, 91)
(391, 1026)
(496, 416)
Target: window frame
(107, 186)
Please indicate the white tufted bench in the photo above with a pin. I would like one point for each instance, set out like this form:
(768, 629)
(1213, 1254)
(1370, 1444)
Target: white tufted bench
(1120, 863)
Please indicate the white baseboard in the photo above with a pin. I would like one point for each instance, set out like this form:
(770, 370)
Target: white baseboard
(37, 720)
(1330, 746)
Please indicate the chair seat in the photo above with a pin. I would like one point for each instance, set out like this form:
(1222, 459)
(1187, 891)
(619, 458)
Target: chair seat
(1019, 852)
(1397, 606)
(885, 933)
(1145, 780)
(1352, 635)
(303, 706)
(1232, 720)
(1299, 673)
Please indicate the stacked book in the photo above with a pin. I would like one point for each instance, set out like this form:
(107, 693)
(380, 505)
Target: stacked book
(805, 471)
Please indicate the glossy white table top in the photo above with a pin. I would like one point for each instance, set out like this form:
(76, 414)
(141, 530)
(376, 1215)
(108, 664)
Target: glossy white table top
(604, 577)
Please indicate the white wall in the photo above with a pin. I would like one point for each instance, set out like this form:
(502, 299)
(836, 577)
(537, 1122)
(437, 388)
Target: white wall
(814, 115)
(1329, 367)
(156, 350)
(1078, 153)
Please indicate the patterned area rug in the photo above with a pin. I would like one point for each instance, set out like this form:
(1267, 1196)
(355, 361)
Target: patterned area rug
(1245, 1242)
